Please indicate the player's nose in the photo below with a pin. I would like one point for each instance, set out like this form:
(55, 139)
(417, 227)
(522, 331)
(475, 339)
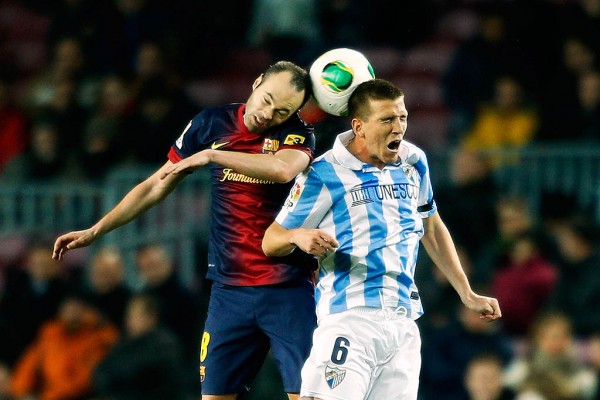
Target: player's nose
(398, 127)
(268, 114)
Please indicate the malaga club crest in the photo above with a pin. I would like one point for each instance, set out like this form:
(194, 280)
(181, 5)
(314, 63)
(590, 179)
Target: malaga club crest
(334, 376)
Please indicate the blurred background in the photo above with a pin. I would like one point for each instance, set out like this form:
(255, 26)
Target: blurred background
(504, 97)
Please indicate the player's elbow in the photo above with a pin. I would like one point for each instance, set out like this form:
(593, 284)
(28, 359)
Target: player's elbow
(270, 243)
(266, 245)
(283, 174)
(267, 248)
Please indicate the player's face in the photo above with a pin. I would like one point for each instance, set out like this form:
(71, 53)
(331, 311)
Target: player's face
(383, 131)
(272, 102)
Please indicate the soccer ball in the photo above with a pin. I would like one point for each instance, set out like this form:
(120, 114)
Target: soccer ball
(334, 76)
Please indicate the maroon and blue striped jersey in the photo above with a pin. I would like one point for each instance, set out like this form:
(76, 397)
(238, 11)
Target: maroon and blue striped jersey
(243, 207)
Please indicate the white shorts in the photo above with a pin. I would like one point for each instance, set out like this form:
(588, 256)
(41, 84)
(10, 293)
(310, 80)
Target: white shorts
(364, 353)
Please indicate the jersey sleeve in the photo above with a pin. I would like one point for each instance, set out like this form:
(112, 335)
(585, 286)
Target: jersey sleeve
(193, 138)
(307, 203)
(426, 205)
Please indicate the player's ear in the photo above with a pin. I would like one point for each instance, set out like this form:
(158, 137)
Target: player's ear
(258, 81)
(357, 127)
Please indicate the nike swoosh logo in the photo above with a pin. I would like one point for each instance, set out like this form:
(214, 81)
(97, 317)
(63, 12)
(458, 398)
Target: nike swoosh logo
(216, 145)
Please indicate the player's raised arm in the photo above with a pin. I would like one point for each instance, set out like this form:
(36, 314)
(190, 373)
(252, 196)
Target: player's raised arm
(281, 167)
(139, 199)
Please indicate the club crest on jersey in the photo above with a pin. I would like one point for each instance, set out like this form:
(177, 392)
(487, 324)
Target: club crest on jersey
(270, 146)
(334, 376)
(293, 139)
(294, 195)
(411, 173)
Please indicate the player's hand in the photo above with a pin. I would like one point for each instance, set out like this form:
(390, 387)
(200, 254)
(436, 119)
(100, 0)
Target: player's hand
(314, 241)
(70, 241)
(187, 165)
(487, 307)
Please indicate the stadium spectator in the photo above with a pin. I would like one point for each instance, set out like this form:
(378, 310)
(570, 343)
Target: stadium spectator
(64, 84)
(105, 132)
(59, 363)
(483, 378)
(582, 19)
(529, 273)
(576, 58)
(131, 23)
(83, 20)
(448, 350)
(180, 309)
(593, 360)
(32, 294)
(13, 126)
(476, 63)
(104, 283)
(551, 366)
(43, 160)
(586, 127)
(578, 289)
(507, 121)
(146, 363)
(514, 217)
(274, 25)
(469, 193)
(160, 108)
(5, 375)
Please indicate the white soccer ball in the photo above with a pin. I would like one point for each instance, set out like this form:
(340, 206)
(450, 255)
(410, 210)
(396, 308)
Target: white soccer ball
(334, 76)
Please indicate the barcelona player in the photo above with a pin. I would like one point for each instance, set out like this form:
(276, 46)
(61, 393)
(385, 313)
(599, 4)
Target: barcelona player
(257, 303)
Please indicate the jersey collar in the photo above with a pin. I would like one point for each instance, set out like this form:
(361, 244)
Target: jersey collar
(240, 117)
(348, 160)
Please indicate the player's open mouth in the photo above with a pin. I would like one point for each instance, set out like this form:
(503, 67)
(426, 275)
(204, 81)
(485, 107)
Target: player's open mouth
(394, 145)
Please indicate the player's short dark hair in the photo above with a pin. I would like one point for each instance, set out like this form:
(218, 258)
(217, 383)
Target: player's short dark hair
(374, 89)
(300, 78)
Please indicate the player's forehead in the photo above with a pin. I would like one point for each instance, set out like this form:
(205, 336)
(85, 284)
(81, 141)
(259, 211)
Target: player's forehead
(388, 107)
(281, 90)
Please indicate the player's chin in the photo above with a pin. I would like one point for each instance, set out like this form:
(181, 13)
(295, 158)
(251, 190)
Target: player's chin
(257, 129)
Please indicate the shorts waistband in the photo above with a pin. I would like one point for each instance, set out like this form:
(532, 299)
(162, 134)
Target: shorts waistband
(387, 312)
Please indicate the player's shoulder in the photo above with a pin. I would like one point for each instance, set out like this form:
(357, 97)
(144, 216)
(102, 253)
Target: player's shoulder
(323, 165)
(296, 124)
(294, 132)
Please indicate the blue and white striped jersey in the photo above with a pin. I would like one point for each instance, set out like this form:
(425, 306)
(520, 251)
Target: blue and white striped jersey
(376, 216)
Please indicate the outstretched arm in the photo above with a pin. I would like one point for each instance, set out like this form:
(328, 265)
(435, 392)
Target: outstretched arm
(279, 241)
(142, 197)
(281, 167)
(440, 247)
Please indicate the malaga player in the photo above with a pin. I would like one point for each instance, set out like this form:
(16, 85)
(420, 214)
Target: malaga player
(257, 303)
(362, 208)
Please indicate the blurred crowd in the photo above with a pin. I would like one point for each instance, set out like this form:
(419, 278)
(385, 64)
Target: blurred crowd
(111, 91)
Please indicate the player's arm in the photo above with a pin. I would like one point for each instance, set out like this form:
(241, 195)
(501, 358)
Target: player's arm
(279, 241)
(142, 197)
(281, 167)
(440, 247)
